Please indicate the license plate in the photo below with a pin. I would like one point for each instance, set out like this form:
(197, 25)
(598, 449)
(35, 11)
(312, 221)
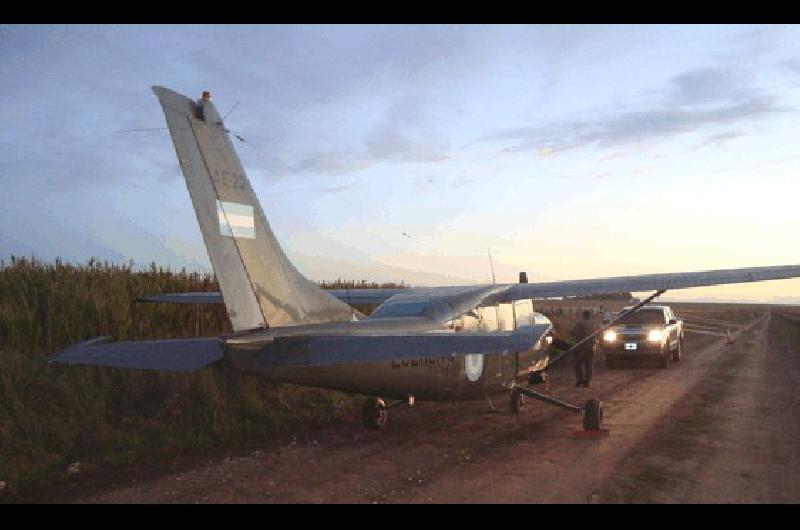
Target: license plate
(630, 345)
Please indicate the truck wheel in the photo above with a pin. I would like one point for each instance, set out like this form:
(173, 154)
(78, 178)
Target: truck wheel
(676, 355)
(592, 415)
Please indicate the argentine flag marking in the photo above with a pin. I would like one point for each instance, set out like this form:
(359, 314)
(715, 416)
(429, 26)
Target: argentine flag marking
(236, 220)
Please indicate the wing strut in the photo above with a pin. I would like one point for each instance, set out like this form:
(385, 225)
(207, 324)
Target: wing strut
(602, 329)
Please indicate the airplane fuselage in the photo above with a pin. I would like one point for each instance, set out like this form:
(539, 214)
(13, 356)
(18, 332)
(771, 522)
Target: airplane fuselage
(462, 377)
(433, 379)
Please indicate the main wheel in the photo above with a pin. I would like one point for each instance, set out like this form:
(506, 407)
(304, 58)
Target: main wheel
(517, 401)
(375, 414)
(676, 355)
(592, 415)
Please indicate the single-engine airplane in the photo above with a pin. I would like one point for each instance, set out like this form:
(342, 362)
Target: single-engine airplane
(430, 343)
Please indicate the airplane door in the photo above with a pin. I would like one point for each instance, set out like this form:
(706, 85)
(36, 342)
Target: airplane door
(505, 322)
(523, 316)
(489, 322)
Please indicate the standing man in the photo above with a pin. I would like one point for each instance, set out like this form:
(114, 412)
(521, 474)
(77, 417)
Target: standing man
(584, 355)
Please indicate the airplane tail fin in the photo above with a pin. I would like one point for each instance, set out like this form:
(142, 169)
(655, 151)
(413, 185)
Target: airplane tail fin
(259, 284)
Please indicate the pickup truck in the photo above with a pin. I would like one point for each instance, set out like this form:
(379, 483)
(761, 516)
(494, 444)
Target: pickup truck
(651, 332)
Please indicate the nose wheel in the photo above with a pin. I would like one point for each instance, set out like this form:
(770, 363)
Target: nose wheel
(375, 413)
(592, 415)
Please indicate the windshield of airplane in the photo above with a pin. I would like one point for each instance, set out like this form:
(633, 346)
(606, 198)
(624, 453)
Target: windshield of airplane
(643, 317)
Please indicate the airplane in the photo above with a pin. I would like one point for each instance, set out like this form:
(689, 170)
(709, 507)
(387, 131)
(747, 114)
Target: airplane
(426, 343)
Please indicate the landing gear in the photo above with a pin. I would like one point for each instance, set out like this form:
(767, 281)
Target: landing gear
(592, 415)
(592, 410)
(375, 414)
(517, 401)
(676, 355)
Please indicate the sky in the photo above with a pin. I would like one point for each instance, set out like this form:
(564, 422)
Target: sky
(410, 152)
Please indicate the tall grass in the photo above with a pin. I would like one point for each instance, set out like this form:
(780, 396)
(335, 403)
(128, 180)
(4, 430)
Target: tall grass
(109, 420)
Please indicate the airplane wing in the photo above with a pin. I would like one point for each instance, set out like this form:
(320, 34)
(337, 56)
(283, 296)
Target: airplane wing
(180, 355)
(351, 296)
(364, 296)
(437, 304)
(441, 304)
(650, 282)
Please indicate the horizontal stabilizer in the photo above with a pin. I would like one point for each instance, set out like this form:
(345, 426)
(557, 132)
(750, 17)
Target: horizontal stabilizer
(327, 350)
(180, 355)
(184, 298)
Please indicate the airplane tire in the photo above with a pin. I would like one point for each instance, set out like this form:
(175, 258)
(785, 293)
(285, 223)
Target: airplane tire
(375, 414)
(676, 355)
(517, 401)
(610, 363)
(592, 415)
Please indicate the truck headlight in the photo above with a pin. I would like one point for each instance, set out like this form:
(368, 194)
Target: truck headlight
(610, 336)
(655, 335)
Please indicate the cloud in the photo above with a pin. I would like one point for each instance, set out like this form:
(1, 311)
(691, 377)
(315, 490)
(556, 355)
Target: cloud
(403, 134)
(710, 85)
(67, 88)
(327, 162)
(719, 139)
(396, 146)
(597, 175)
(763, 164)
(335, 189)
(693, 100)
(612, 156)
(792, 64)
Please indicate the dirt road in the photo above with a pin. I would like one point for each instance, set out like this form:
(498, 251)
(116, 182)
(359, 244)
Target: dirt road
(720, 426)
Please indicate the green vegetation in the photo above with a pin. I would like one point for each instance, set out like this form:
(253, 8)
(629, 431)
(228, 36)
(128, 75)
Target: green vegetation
(110, 420)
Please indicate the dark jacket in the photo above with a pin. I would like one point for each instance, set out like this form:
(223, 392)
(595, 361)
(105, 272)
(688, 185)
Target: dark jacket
(582, 329)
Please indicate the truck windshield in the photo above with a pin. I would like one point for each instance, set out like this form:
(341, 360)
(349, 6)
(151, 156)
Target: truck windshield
(643, 317)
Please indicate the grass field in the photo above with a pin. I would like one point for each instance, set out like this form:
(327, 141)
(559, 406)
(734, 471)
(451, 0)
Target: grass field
(108, 420)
